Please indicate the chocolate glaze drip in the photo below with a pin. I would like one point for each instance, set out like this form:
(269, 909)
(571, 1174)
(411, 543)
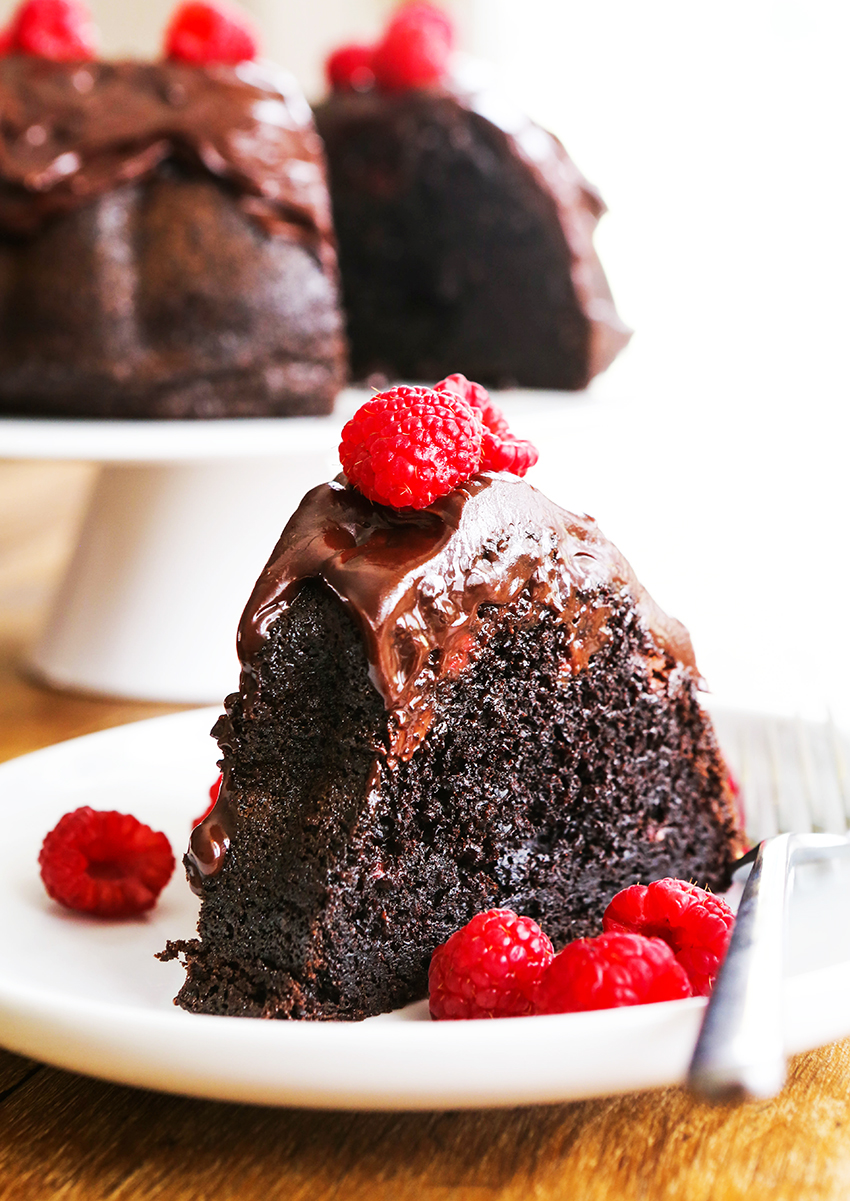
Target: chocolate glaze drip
(210, 840)
(70, 132)
(415, 583)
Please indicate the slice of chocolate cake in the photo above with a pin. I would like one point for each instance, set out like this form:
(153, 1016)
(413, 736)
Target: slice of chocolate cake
(465, 239)
(474, 704)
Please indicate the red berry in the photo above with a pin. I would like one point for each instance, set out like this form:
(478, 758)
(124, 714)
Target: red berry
(349, 69)
(489, 969)
(414, 50)
(609, 971)
(507, 454)
(60, 30)
(478, 398)
(500, 450)
(210, 33)
(408, 446)
(5, 42)
(214, 791)
(108, 864)
(694, 923)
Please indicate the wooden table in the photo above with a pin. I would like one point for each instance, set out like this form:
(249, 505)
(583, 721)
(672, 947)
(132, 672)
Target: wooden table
(70, 1137)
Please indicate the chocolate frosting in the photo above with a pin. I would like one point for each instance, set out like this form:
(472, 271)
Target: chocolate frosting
(415, 583)
(70, 132)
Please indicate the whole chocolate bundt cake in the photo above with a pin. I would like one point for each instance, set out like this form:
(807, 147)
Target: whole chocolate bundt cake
(166, 247)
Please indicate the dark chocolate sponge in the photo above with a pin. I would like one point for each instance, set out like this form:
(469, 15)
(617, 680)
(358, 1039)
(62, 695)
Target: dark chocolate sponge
(465, 242)
(440, 712)
(165, 244)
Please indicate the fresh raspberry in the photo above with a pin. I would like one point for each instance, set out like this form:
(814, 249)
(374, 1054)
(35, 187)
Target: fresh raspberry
(609, 971)
(694, 923)
(60, 30)
(500, 450)
(408, 446)
(478, 398)
(349, 69)
(489, 969)
(214, 791)
(108, 864)
(6, 46)
(415, 48)
(210, 33)
(507, 454)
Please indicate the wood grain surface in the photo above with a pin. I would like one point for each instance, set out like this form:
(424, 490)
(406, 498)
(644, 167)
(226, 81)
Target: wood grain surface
(70, 1137)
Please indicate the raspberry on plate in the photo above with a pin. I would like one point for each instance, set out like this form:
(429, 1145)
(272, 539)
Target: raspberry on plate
(408, 446)
(414, 51)
(609, 971)
(696, 924)
(349, 69)
(490, 968)
(59, 30)
(105, 863)
(210, 33)
(500, 450)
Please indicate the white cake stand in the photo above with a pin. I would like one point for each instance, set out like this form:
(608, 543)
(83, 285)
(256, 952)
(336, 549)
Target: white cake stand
(183, 517)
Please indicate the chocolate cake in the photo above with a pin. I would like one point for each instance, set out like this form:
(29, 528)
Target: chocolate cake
(440, 711)
(166, 246)
(465, 241)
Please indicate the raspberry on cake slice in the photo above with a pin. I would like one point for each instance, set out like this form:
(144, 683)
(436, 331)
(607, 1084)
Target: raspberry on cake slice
(456, 699)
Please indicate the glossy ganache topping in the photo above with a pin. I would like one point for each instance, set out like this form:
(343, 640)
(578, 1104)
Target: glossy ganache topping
(70, 132)
(415, 582)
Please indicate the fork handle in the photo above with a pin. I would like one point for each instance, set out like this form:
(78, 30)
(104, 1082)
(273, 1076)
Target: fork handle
(740, 1051)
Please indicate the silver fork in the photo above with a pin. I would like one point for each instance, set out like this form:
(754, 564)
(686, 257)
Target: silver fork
(794, 774)
(794, 781)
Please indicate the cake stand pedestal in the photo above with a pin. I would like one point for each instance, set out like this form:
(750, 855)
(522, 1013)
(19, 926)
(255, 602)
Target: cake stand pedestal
(181, 521)
(183, 517)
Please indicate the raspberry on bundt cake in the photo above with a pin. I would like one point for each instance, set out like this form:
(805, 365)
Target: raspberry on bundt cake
(465, 231)
(462, 703)
(166, 246)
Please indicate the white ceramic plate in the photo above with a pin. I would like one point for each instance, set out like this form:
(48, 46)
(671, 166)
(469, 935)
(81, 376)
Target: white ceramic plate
(88, 995)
